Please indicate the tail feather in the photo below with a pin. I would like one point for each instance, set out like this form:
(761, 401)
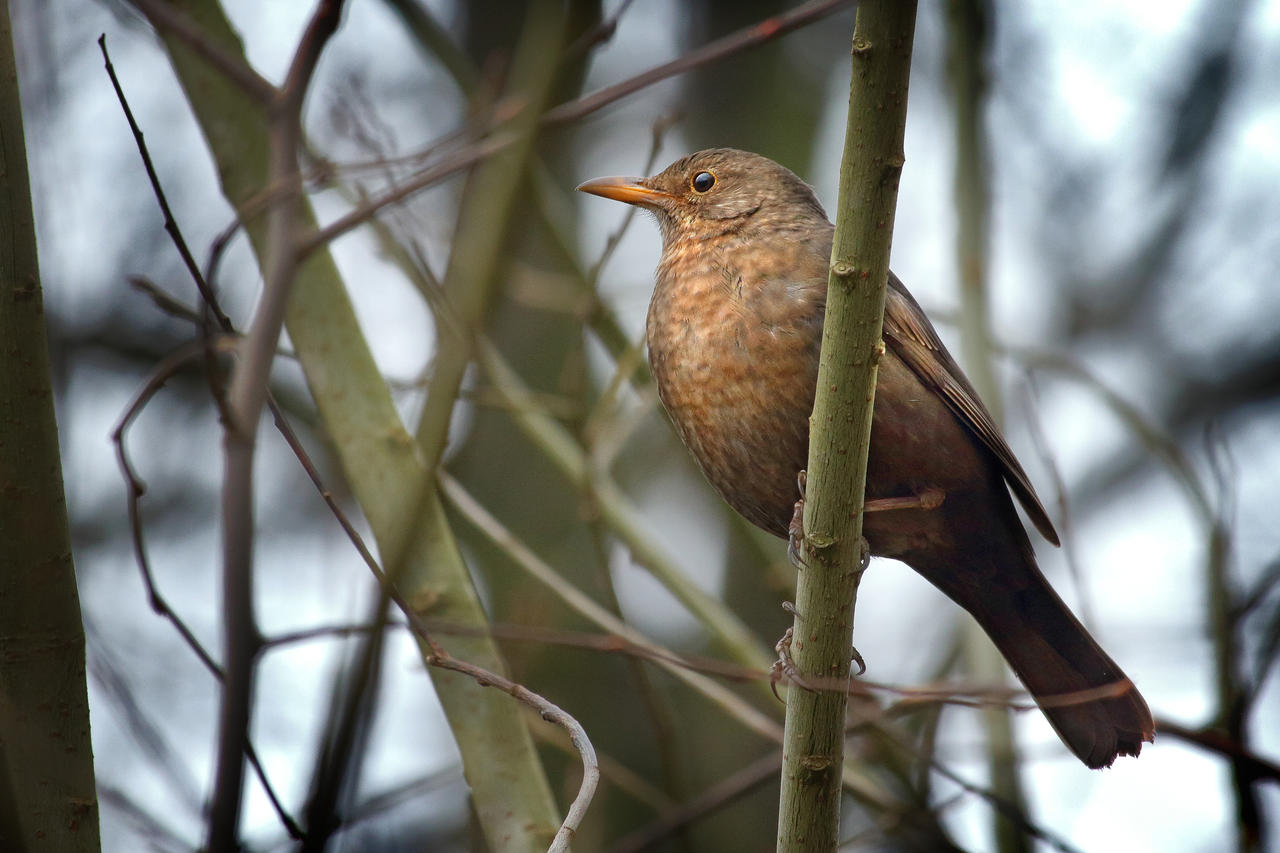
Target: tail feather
(1088, 699)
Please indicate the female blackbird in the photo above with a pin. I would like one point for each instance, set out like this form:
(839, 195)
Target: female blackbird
(734, 330)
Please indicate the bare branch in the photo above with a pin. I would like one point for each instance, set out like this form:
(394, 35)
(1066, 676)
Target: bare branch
(163, 16)
(749, 37)
(245, 399)
(550, 712)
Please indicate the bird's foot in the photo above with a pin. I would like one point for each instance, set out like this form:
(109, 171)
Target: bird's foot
(927, 499)
(795, 536)
(795, 530)
(862, 664)
(784, 666)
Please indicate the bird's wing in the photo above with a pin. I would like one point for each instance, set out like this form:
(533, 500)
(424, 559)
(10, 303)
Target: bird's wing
(910, 334)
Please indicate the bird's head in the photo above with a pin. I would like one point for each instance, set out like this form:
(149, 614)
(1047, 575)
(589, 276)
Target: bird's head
(716, 191)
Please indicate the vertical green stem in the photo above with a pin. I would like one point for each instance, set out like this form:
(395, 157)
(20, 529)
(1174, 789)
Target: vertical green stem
(840, 428)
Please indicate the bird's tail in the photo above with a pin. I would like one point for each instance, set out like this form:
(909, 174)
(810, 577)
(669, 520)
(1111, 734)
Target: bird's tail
(1087, 698)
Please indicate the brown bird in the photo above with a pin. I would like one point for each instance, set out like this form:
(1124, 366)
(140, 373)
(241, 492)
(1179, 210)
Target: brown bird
(734, 330)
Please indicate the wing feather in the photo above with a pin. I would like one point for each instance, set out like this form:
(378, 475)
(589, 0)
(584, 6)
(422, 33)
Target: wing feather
(908, 331)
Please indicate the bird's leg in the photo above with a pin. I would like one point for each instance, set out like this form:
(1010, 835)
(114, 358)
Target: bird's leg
(864, 560)
(927, 499)
(784, 665)
(795, 530)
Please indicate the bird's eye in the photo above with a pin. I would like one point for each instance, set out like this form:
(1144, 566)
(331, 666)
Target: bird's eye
(702, 182)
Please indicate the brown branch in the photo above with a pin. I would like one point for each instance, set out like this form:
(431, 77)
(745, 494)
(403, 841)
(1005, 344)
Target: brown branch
(736, 42)
(136, 488)
(166, 370)
(569, 111)
(1010, 809)
(549, 711)
(1219, 743)
(163, 16)
(245, 400)
(170, 224)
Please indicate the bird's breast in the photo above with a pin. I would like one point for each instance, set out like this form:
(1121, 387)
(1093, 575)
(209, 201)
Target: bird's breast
(734, 358)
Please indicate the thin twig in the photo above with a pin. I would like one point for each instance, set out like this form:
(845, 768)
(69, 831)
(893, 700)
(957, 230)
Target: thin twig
(550, 712)
(1009, 809)
(169, 367)
(736, 42)
(170, 223)
(245, 399)
(1220, 744)
(164, 371)
(1066, 521)
(748, 37)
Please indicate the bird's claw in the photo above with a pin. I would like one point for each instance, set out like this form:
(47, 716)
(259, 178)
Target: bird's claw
(864, 554)
(795, 536)
(783, 666)
(795, 530)
(862, 664)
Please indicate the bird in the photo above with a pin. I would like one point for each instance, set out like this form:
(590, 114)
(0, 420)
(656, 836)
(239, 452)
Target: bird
(733, 333)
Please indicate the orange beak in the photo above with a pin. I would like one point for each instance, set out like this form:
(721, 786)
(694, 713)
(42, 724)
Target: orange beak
(630, 190)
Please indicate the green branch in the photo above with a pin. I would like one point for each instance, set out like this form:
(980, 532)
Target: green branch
(48, 800)
(840, 428)
(385, 467)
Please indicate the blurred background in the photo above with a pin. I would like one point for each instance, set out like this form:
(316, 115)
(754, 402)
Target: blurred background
(1116, 205)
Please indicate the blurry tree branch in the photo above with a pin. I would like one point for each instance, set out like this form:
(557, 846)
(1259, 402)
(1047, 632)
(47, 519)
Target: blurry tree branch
(245, 398)
(436, 40)
(491, 192)
(764, 31)
(135, 489)
(969, 27)
(171, 22)
(859, 782)
(1218, 742)
(48, 797)
(622, 516)
(385, 471)
(742, 782)
(491, 142)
